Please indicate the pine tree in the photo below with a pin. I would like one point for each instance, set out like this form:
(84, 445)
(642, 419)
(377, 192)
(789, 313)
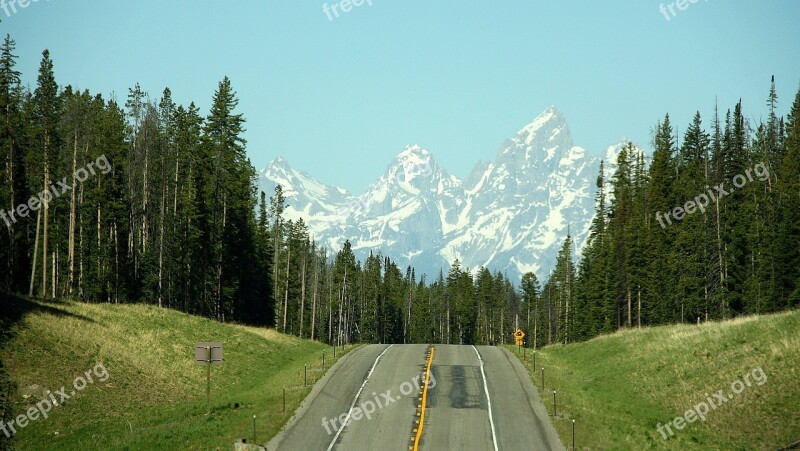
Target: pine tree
(689, 247)
(529, 285)
(484, 292)
(370, 328)
(562, 293)
(619, 230)
(47, 111)
(769, 151)
(788, 245)
(345, 273)
(593, 274)
(12, 187)
(658, 302)
(166, 161)
(187, 205)
(735, 212)
(231, 225)
(277, 206)
(264, 309)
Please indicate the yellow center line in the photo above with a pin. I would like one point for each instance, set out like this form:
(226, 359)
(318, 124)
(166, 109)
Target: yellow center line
(424, 401)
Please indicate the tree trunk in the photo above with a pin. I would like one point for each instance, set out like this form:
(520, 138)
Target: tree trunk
(630, 323)
(286, 292)
(46, 214)
(145, 196)
(220, 304)
(53, 275)
(330, 307)
(276, 233)
(314, 299)
(116, 263)
(11, 233)
(35, 261)
(721, 260)
(535, 326)
(448, 322)
(639, 309)
(100, 269)
(342, 312)
(72, 212)
(161, 245)
(302, 296)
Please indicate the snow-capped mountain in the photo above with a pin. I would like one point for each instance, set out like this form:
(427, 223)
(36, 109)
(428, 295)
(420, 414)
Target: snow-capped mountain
(510, 215)
(611, 163)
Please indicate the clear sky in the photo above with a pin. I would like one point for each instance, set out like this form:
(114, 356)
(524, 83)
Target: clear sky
(340, 98)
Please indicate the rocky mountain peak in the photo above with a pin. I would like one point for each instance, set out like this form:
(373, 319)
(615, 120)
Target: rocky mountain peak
(511, 215)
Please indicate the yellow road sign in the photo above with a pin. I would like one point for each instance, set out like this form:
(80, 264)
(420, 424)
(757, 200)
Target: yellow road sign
(518, 336)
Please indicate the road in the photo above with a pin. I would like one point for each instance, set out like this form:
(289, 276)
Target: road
(479, 398)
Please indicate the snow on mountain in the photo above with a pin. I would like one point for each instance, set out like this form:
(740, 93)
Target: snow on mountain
(538, 187)
(322, 207)
(509, 215)
(610, 161)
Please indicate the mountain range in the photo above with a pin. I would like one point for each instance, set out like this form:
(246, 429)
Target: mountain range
(510, 215)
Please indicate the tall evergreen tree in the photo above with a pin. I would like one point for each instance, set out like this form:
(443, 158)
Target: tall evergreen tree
(12, 186)
(47, 110)
(788, 185)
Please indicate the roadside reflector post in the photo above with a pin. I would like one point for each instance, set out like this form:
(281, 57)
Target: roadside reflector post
(255, 440)
(334, 351)
(554, 403)
(542, 379)
(534, 360)
(284, 399)
(305, 375)
(573, 434)
(323, 360)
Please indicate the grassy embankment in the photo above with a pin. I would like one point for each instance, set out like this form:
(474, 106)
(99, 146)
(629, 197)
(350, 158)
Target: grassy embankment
(619, 387)
(155, 395)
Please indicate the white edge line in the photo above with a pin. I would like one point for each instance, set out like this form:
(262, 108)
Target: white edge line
(488, 400)
(355, 399)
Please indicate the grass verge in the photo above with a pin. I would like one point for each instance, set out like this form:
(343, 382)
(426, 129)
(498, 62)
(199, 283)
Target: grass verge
(620, 387)
(155, 395)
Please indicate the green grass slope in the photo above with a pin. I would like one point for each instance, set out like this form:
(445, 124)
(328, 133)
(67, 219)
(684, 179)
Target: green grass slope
(619, 387)
(154, 396)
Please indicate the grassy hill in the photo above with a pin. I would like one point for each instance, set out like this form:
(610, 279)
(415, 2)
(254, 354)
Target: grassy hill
(619, 387)
(154, 395)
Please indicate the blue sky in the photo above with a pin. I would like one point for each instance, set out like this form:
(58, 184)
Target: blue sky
(340, 98)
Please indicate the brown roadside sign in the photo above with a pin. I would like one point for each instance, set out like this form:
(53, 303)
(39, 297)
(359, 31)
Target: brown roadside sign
(205, 353)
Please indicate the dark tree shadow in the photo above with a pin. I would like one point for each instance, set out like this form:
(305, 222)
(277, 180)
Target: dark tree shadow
(12, 310)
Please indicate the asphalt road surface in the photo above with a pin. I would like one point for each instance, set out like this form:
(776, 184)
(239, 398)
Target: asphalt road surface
(479, 398)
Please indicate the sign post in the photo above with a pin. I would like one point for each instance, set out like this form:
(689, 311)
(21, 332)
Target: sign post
(208, 354)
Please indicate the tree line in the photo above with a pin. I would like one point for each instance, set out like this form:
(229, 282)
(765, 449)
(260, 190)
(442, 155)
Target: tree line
(734, 251)
(738, 254)
(177, 221)
(171, 222)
